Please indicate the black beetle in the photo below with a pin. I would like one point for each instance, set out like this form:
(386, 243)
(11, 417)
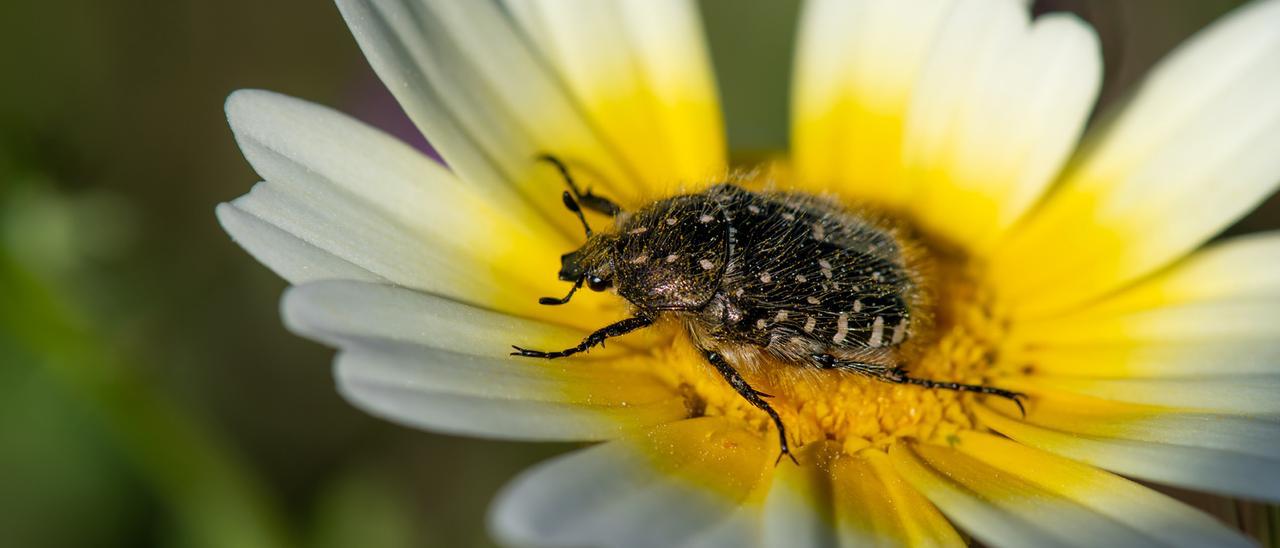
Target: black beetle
(757, 278)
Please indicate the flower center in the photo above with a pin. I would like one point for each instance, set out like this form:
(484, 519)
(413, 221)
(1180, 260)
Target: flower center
(857, 411)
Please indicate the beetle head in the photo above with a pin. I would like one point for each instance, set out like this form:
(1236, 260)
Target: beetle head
(590, 264)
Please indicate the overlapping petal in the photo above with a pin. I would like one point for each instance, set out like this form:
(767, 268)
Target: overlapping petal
(1225, 454)
(850, 500)
(857, 66)
(435, 363)
(959, 113)
(642, 73)
(1190, 153)
(490, 99)
(345, 201)
(663, 488)
(1199, 335)
(1007, 494)
(1228, 293)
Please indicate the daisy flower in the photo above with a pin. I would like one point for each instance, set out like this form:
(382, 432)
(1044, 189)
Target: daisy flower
(1073, 267)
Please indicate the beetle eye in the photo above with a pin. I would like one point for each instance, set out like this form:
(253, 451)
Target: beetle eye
(596, 283)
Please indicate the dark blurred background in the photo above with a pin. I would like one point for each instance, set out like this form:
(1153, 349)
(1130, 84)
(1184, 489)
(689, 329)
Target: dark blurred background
(148, 393)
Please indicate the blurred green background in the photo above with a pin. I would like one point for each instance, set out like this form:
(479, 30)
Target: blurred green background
(148, 393)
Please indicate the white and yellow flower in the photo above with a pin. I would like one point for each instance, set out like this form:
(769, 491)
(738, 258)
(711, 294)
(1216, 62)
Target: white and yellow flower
(1075, 273)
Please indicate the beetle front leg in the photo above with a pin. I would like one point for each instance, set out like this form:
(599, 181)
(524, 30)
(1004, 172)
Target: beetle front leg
(593, 202)
(754, 397)
(597, 338)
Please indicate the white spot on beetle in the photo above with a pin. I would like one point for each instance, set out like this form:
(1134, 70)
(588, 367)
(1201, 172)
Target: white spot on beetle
(781, 316)
(857, 305)
(704, 219)
(638, 230)
(673, 258)
(754, 209)
(819, 231)
(706, 265)
(900, 331)
(671, 221)
(842, 328)
(813, 300)
(766, 277)
(760, 324)
(788, 216)
(809, 324)
(639, 258)
(801, 278)
(877, 333)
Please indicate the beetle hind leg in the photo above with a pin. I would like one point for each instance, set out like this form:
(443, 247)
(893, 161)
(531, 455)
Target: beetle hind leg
(899, 375)
(593, 202)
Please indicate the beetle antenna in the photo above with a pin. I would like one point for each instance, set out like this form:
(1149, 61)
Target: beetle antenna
(572, 204)
(552, 301)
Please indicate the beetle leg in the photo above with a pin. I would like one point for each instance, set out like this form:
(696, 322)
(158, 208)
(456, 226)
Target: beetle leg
(595, 339)
(594, 202)
(899, 375)
(754, 397)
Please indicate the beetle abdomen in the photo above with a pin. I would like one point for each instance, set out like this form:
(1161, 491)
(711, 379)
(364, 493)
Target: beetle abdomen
(804, 268)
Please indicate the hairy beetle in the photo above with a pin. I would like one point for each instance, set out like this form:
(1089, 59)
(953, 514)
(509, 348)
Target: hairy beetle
(756, 278)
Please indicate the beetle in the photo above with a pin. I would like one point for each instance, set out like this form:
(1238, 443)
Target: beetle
(756, 278)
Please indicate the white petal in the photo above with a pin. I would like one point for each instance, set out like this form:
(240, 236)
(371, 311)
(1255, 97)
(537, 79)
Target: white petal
(502, 418)
(488, 99)
(303, 145)
(959, 112)
(293, 258)
(339, 312)
(433, 363)
(641, 71)
(1232, 456)
(1238, 268)
(341, 187)
(615, 495)
(857, 65)
(1185, 322)
(1245, 395)
(1008, 494)
(984, 521)
(835, 499)
(1000, 104)
(1192, 152)
(1214, 313)
(1159, 359)
(433, 371)
(799, 510)
(740, 529)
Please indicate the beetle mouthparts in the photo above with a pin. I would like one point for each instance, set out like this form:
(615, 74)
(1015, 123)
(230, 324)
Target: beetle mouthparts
(570, 269)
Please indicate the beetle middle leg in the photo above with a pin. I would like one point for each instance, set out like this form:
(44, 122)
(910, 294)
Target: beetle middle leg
(753, 396)
(595, 339)
(593, 202)
(899, 375)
